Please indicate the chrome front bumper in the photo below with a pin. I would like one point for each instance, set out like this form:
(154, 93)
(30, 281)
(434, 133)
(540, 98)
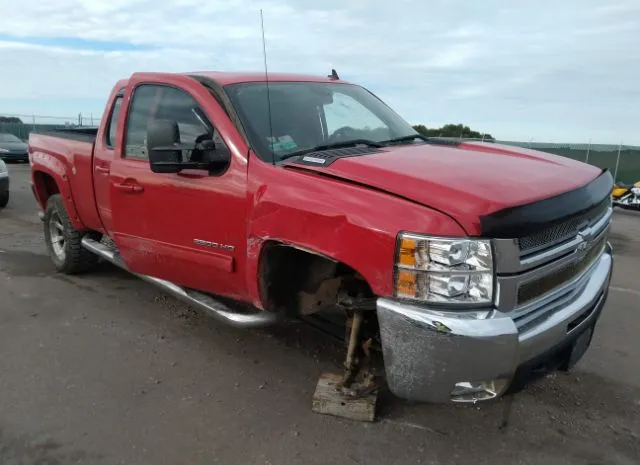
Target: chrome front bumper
(437, 356)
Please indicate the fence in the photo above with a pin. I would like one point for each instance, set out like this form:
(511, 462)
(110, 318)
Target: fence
(622, 160)
(25, 124)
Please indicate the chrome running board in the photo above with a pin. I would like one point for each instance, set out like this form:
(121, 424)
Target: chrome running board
(200, 300)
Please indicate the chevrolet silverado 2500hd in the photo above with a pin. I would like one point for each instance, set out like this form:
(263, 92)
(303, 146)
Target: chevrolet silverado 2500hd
(473, 267)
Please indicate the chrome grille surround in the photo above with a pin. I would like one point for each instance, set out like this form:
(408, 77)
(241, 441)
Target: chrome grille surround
(537, 287)
(531, 287)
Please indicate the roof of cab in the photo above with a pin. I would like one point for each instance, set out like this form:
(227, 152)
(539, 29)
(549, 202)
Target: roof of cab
(225, 78)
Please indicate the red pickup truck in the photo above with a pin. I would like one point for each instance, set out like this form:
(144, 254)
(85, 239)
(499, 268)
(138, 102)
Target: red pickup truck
(471, 267)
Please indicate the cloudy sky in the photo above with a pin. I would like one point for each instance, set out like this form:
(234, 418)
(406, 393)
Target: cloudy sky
(545, 70)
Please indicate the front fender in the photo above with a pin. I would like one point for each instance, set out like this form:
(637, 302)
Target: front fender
(48, 165)
(352, 224)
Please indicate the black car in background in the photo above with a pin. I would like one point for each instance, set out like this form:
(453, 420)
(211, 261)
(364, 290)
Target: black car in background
(12, 148)
(4, 185)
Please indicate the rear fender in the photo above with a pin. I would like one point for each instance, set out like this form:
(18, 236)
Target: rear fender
(44, 164)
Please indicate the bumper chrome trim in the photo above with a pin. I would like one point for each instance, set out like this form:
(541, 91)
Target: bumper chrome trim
(430, 353)
(555, 327)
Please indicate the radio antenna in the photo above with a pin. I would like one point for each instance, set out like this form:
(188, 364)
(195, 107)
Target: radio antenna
(266, 78)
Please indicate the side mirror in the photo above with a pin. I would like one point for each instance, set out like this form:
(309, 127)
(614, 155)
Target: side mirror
(163, 146)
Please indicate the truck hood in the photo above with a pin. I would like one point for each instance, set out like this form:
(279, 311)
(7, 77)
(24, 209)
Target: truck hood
(466, 181)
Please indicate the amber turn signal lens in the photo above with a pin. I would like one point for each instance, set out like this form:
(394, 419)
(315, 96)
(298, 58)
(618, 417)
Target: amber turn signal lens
(406, 284)
(407, 253)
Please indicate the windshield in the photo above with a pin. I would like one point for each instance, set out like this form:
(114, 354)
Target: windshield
(9, 138)
(308, 114)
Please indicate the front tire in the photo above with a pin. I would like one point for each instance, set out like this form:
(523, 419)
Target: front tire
(63, 241)
(4, 199)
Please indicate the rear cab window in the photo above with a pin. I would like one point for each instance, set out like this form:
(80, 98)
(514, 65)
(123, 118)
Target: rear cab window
(112, 124)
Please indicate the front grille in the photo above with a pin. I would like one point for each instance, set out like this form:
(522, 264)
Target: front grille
(538, 287)
(563, 231)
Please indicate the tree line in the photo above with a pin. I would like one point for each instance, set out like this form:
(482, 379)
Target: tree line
(452, 130)
(10, 119)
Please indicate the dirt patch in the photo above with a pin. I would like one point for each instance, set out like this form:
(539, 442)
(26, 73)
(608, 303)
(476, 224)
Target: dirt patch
(25, 263)
(39, 450)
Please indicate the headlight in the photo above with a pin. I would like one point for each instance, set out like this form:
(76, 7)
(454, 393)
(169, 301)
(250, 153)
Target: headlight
(444, 271)
(4, 151)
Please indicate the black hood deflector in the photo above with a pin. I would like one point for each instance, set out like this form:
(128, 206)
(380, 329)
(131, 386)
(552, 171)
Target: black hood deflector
(527, 219)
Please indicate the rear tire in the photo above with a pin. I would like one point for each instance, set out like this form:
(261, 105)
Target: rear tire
(4, 199)
(63, 241)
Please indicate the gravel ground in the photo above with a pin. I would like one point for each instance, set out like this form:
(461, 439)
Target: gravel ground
(105, 369)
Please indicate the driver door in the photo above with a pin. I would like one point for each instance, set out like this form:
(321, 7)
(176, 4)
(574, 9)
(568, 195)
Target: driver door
(187, 227)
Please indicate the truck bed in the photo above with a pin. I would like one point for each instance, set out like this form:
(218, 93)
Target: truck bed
(62, 152)
(79, 134)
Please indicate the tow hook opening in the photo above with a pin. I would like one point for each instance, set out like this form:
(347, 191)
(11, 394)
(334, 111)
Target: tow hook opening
(472, 391)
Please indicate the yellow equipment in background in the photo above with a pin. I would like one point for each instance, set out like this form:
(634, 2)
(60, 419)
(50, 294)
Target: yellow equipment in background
(626, 196)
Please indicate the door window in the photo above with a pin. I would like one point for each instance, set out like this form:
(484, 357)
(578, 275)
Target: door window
(163, 102)
(140, 114)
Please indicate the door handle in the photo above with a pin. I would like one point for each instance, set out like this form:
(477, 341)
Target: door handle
(102, 169)
(131, 188)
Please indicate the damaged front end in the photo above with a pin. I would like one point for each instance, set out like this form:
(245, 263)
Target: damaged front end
(437, 357)
(474, 319)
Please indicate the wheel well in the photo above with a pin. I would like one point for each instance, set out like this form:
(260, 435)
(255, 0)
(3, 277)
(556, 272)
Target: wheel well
(302, 282)
(45, 186)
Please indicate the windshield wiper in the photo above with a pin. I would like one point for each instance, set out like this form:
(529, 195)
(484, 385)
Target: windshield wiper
(334, 145)
(408, 138)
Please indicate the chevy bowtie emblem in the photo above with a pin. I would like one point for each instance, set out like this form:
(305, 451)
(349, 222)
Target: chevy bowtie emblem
(584, 245)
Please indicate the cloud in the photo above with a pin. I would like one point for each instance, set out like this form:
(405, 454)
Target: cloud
(73, 43)
(561, 71)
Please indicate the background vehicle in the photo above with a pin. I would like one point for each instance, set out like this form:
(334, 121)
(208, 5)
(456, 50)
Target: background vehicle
(4, 185)
(626, 196)
(12, 148)
(319, 198)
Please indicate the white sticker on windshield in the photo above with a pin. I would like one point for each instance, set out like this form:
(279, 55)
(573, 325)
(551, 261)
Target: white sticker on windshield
(282, 144)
